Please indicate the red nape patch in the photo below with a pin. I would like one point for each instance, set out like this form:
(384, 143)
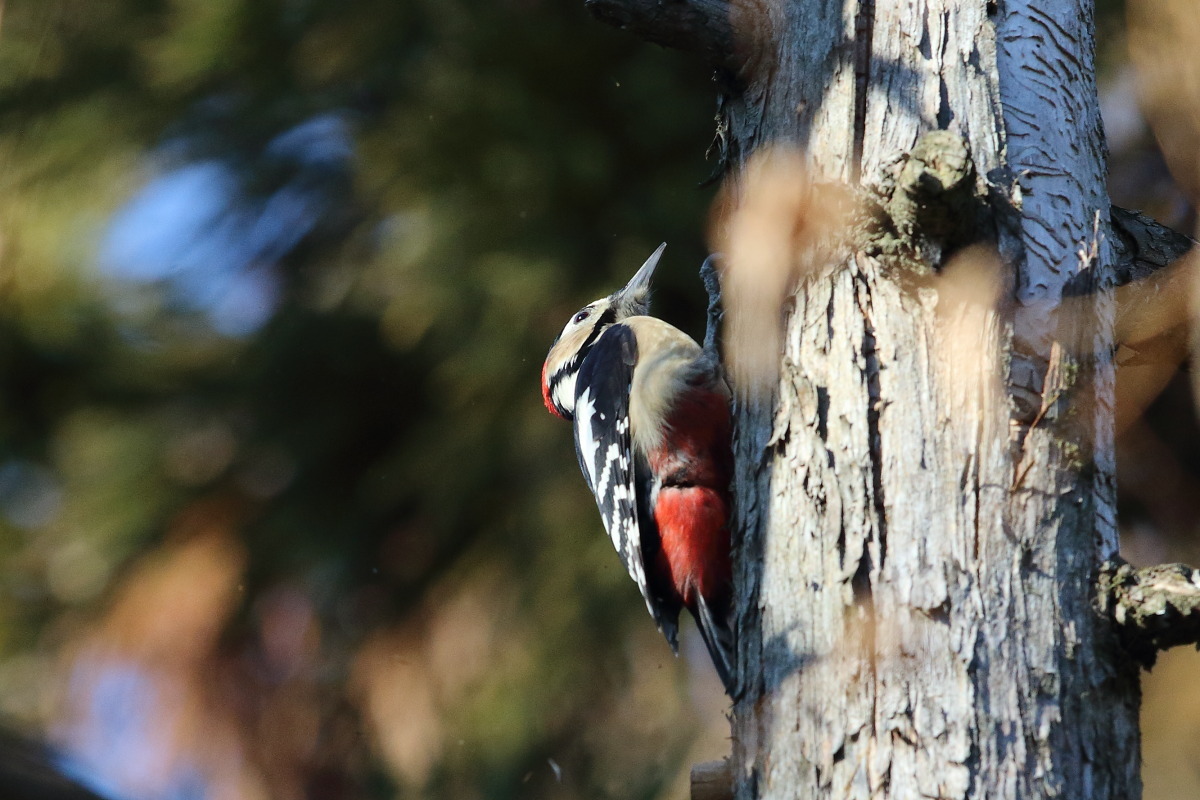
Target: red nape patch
(546, 395)
(695, 542)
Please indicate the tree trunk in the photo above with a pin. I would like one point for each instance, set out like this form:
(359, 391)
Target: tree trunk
(929, 603)
(927, 500)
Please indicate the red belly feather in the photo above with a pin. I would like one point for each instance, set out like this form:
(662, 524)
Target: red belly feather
(695, 541)
(692, 510)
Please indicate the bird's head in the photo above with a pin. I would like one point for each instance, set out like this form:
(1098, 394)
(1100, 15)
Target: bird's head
(584, 328)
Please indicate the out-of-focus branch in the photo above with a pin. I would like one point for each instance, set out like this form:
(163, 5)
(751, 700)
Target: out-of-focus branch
(692, 25)
(1154, 283)
(1151, 286)
(712, 780)
(27, 772)
(1153, 608)
(1144, 246)
(706, 27)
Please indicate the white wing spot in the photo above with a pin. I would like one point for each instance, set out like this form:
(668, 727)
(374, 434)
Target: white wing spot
(587, 440)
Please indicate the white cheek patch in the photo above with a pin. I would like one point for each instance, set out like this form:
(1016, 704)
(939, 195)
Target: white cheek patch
(564, 390)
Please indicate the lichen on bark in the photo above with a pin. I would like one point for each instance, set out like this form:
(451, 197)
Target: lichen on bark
(1153, 608)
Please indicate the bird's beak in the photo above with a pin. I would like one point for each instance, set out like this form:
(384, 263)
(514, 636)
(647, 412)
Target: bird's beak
(634, 299)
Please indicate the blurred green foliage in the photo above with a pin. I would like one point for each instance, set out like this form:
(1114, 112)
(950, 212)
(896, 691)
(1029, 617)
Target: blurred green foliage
(377, 433)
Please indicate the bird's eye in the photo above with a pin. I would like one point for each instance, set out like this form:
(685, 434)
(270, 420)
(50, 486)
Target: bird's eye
(582, 315)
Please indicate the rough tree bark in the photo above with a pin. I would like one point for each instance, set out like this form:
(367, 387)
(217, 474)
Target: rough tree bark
(926, 497)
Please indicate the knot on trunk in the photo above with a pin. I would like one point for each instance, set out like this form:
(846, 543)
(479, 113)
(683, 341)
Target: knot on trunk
(1152, 608)
(930, 203)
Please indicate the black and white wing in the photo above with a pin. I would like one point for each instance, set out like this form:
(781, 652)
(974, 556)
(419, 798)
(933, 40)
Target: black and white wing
(604, 446)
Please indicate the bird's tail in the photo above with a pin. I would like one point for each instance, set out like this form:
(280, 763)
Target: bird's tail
(717, 631)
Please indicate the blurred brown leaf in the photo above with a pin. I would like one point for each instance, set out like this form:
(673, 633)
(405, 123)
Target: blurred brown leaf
(773, 226)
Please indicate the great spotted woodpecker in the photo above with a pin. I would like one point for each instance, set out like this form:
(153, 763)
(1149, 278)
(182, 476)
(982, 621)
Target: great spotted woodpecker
(652, 434)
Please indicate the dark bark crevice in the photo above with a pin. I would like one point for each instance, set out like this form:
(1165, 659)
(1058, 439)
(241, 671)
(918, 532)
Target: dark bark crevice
(864, 25)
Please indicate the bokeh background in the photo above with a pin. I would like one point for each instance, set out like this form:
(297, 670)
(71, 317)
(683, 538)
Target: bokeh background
(281, 512)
